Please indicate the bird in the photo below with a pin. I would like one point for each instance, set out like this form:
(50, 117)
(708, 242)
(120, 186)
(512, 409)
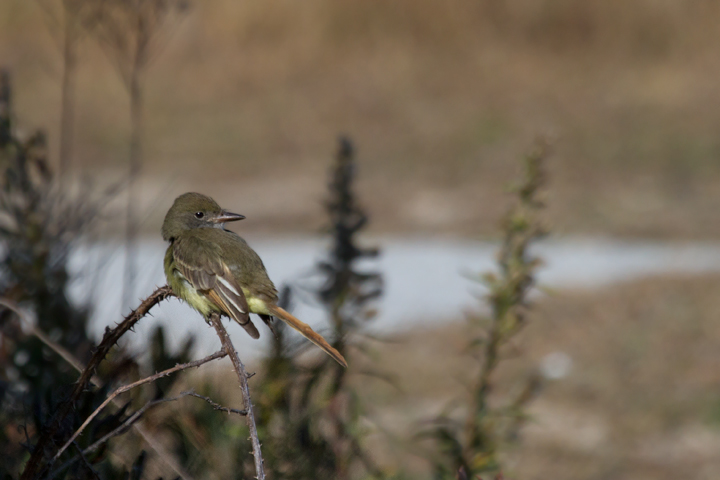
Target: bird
(215, 271)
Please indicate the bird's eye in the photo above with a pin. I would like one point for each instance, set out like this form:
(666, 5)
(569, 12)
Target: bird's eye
(199, 214)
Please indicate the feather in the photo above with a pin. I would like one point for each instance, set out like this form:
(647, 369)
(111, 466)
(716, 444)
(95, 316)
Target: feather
(307, 332)
(210, 276)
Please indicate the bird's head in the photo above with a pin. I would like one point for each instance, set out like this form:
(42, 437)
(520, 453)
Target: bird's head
(194, 210)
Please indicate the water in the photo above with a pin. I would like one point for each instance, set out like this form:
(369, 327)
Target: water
(426, 281)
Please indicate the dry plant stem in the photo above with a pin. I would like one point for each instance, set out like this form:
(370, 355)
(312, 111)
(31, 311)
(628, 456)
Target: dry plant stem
(56, 347)
(164, 455)
(134, 86)
(68, 357)
(134, 172)
(247, 402)
(35, 463)
(122, 428)
(131, 422)
(125, 388)
(67, 105)
(216, 406)
(85, 462)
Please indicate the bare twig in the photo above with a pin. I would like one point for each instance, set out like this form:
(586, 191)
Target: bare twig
(35, 463)
(166, 456)
(216, 406)
(132, 419)
(56, 347)
(68, 357)
(122, 428)
(128, 32)
(125, 388)
(247, 402)
(71, 36)
(128, 422)
(85, 462)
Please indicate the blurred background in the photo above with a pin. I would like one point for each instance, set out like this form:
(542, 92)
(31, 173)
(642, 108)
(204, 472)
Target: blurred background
(244, 101)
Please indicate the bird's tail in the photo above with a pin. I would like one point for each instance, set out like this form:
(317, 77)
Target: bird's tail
(307, 332)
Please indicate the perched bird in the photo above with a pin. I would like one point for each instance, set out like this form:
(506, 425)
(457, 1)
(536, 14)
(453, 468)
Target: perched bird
(215, 270)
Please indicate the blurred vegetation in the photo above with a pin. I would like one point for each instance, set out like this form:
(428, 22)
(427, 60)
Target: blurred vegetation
(312, 421)
(39, 225)
(312, 416)
(35, 237)
(627, 87)
(471, 445)
(639, 401)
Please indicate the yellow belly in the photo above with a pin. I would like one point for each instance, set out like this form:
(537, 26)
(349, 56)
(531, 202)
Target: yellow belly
(197, 299)
(200, 302)
(255, 304)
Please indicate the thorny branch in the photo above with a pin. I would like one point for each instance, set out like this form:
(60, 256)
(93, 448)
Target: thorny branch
(135, 417)
(125, 388)
(122, 428)
(36, 461)
(217, 406)
(247, 402)
(35, 464)
(68, 357)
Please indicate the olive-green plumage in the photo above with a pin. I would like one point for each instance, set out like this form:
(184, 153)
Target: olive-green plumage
(215, 270)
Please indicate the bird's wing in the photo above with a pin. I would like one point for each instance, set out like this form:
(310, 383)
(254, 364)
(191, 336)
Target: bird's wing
(205, 270)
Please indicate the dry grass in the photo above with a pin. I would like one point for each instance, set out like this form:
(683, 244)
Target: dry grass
(440, 97)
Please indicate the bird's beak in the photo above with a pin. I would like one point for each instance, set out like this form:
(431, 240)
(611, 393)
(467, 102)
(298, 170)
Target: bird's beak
(227, 217)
